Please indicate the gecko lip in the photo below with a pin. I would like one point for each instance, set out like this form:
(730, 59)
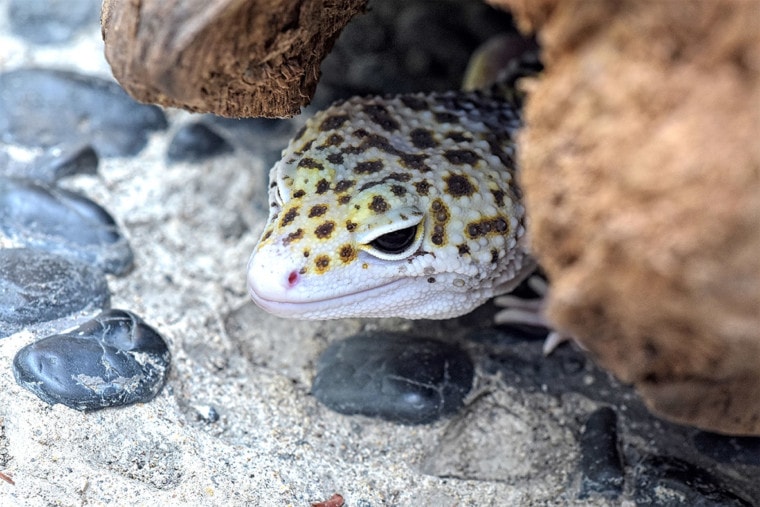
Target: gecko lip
(316, 308)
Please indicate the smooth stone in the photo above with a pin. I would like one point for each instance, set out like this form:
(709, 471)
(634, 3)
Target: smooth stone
(44, 108)
(395, 377)
(601, 465)
(113, 360)
(254, 135)
(62, 222)
(669, 482)
(725, 449)
(52, 166)
(38, 287)
(51, 21)
(196, 142)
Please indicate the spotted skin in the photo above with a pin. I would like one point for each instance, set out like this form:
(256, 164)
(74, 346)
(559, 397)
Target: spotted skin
(401, 206)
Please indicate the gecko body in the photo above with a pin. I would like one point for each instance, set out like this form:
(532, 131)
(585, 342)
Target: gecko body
(402, 206)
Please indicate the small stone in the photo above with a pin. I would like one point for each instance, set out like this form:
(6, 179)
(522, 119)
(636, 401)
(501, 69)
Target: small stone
(730, 450)
(62, 222)
(51, 21)
(45, 108)
(600, 460)
(52, 166)
(38, 287)
(396, 377)
(669, 482)
(113, 360)
(196, 142)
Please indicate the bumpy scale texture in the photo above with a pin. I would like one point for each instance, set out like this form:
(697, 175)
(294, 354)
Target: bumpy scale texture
(401, 206)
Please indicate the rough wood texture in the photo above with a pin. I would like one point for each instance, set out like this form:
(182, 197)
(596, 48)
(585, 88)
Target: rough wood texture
(229, 57)
(641, 169)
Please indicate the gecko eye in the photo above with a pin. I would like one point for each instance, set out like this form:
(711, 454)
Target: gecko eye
(395, 242)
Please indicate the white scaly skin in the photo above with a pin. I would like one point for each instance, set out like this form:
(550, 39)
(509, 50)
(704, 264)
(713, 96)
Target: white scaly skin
(400, 206)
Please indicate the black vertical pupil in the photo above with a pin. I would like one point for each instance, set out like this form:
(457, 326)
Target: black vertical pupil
(395, 242)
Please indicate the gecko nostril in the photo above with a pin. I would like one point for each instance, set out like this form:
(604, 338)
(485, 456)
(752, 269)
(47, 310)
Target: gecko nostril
(292, 278)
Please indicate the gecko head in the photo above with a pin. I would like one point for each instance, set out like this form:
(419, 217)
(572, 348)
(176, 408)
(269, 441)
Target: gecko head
(360, 225)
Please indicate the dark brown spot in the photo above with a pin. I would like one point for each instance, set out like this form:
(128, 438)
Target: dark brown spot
(300, 133)
(350, 226)
(344, 185)
(422, 138)
(398, 190)
(324, 230)
(322, 262)
(266, 235)
(379, 205)
(380, 115)
(305, 147)
(323, 186)
(460, 157)
(347, 253)
(495, 146)
(332, 140)
(458, 137)
(439, 211)
(487, 226)
(291, 215)
(446, 117)
(381, 143)
(293, 236)
(398, 177)
(317, 210)
(361, 133)
(333, 122)
(344, 199)
(309, 163)
(437, 239)
(414, 161)
(368, 167)
(498, 196)
(494, 256)
(431, 280)
(335, 158)
(299, 193)
(463, 249)
(302, 270)
(422, 187)
(458, 185)
(369, 184)
(306, 252)
(414, 103)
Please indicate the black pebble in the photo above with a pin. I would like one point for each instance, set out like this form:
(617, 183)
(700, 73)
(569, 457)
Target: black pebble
(63, 222)
(731, 450)
(52, 166)
(45, 108)
(600, 461)
(82, 160)
(196, 142)
(669, 482)
(113, 360)
(396, 377)
(51, 21)
(39, 286)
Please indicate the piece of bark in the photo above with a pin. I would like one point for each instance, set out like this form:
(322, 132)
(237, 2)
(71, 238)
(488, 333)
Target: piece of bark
(236, 58)
(641, 170)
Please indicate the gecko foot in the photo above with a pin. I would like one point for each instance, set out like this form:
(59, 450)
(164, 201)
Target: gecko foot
(530, 312)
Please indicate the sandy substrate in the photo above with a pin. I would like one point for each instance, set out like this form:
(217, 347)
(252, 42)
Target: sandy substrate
(192, 228)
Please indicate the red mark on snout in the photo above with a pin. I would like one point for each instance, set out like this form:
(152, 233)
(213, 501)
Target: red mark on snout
(292, 278)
